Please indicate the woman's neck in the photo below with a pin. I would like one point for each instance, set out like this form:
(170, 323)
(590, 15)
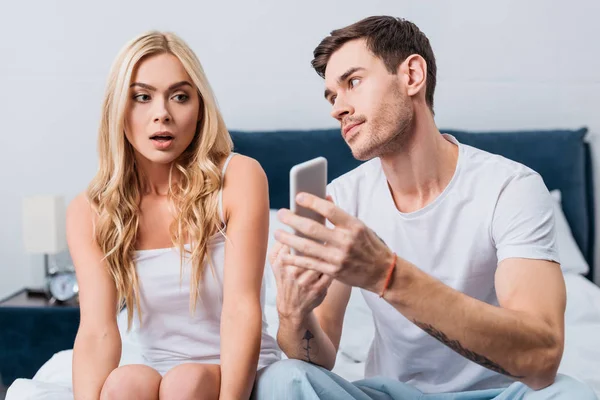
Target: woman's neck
(156, 179)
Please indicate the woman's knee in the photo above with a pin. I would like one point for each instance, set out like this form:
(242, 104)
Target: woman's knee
(128, 379)
(191, 381)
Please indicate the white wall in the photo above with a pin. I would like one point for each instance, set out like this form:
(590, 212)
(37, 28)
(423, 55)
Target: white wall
(502, 65)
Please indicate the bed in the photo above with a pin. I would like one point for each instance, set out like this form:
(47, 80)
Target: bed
(563, 159)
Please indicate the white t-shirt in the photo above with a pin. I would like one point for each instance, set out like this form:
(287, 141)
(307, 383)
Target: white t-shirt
(492, 209)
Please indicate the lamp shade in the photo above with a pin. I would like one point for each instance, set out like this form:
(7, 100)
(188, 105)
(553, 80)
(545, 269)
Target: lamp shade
(44, 224)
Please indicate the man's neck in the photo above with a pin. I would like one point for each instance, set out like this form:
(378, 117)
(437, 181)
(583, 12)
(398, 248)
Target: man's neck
(420, 171)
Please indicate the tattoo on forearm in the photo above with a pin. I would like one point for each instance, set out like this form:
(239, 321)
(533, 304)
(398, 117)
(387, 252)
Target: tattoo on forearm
(308, 347)
(457, 347)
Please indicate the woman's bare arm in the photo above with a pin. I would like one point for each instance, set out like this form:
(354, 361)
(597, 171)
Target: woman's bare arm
(97, 348)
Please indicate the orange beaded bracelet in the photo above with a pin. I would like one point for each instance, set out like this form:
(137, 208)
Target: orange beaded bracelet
(389, 276)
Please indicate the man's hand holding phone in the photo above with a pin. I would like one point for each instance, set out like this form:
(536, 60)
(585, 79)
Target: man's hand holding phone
(349, 252)
(301, 290)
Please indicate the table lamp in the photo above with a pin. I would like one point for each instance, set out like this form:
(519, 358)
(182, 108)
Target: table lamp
(44, 230)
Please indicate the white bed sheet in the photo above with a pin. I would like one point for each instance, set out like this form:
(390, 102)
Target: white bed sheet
(581, 358)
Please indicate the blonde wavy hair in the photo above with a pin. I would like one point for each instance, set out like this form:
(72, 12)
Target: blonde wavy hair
(116, 190)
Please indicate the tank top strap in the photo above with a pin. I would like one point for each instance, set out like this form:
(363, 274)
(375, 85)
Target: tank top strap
(221, 190)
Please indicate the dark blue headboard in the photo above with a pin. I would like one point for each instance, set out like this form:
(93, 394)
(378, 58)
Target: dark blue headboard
(561, 157)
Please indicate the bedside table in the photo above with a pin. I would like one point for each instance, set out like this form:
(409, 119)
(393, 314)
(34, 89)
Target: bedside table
(31, 331)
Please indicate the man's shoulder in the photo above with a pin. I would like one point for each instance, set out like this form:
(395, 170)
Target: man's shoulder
(493, 168)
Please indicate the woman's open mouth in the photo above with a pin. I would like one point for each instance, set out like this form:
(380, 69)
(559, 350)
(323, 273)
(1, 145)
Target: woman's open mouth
(161, 140)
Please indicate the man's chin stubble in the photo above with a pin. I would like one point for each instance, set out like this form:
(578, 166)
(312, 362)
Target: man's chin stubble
(393, 145)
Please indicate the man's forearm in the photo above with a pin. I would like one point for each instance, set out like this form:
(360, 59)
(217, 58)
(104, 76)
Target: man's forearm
(510, 342)
(305, 340)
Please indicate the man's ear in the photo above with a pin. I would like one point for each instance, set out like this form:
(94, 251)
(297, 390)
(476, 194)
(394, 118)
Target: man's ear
(414, 73)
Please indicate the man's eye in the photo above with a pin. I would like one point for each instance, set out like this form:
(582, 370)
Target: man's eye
(332, 99)
(354, 82)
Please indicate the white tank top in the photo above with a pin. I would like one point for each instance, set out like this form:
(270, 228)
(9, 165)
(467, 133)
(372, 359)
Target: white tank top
(170, 334)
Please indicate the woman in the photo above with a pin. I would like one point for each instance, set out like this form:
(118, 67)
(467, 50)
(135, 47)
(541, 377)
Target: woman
(174, 228)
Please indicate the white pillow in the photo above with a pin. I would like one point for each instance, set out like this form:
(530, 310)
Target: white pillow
(571, 259)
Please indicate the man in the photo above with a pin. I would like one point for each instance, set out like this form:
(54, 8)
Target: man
(453, 248)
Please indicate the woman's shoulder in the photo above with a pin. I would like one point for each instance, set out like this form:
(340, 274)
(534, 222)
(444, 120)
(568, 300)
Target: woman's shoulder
(79, 212)
(241, 167)
(244, 183)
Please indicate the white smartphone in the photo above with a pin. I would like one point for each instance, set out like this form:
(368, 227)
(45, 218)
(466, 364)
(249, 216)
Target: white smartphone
(308, 177)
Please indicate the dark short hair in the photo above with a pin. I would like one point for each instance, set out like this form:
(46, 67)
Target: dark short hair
(391, 39)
